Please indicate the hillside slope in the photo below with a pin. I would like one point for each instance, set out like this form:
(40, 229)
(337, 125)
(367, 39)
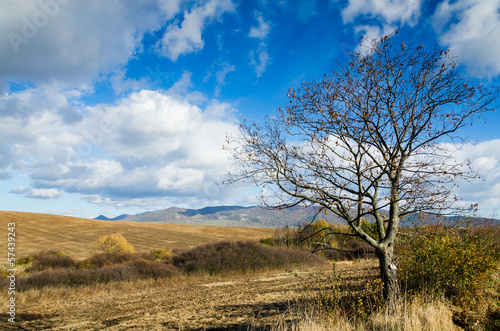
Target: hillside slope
(76, 236)
(259, 217)
(233, 216)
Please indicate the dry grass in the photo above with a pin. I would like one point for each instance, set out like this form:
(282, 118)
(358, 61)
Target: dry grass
(259, 301)
(76, 236)
(417, 315)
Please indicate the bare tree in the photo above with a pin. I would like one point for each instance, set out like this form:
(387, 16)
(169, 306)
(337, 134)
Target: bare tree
(373, 140)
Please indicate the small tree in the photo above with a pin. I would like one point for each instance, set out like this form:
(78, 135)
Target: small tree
(371, 141)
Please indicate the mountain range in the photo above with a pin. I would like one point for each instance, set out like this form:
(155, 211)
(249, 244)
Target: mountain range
(251, 217)
(117, 218)
(228, 216)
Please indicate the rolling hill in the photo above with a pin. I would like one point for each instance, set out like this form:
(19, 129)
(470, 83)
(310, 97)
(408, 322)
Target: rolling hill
(76, 236)
(263, 218)
(232, 216)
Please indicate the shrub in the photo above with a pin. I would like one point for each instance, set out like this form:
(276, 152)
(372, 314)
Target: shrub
(458, 264)
(136, 269)
(103, 259)
(113, 243)
(49, 260)
(223, 257)
(270, 242)
(72, 277)
(161, 254)
(153, 269)
(25, 260)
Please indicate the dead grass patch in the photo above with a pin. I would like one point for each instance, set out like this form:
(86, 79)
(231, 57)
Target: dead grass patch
(418, 314)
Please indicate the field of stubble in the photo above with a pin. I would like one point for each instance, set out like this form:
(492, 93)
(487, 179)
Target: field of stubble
(237, 302)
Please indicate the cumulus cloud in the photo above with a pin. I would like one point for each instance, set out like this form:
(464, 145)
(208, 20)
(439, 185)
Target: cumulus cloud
(484, 157)
(37, 193)
(260, 58)
(471, 29)
(74, 42)
(186, 37)
(149, 144)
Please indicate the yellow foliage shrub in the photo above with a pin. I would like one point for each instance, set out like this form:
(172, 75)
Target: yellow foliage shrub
(113, 243)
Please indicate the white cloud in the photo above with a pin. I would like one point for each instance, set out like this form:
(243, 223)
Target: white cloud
(260, 58)
(386, 14)
(37, 193)
(471, 29)
(387, 11)
(149, 145)
(74, 42)
(183, 89)
(484, 158)
(186, 38)
(260, 31)
(370, 32)
(221, 76)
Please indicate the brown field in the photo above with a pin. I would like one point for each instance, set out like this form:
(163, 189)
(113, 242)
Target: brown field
(77, 236)
(181, 303)
(257, 301)
(267, 300)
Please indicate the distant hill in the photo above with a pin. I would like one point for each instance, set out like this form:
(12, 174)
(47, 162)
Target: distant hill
(257, 217)
(117, 218)
(233, 216)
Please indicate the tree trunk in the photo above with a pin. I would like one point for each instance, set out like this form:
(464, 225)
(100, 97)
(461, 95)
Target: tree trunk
(389, 276)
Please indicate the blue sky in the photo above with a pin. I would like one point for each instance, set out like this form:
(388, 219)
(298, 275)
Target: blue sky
(111, 107)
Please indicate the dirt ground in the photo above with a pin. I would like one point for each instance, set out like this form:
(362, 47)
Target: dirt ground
(186, 303)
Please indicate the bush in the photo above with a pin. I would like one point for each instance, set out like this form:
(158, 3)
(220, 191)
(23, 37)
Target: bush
(72, 277)
(161, 254)
(25, 260)
(49, 260)
(154, 269)
(104, 259)
(113, 243)
(223, 257)
(458, 264)
(136, 269)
